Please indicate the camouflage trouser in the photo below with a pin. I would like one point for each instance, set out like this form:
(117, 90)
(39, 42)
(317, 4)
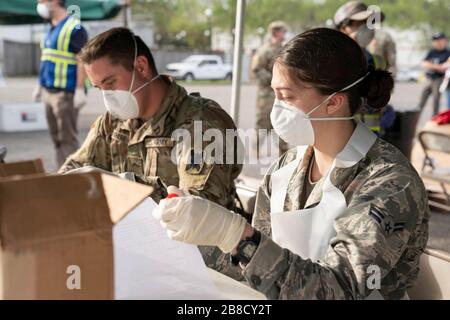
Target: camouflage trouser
(264, 104)
(62, 123)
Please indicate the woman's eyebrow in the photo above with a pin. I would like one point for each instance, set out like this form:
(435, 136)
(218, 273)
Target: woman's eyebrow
(283, 88)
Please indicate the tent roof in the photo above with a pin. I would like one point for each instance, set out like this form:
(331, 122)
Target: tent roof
(24, 11)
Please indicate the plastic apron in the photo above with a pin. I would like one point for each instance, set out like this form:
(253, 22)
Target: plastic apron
(308, 232)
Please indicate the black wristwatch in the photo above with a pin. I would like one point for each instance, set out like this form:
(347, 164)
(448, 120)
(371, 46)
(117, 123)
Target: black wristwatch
(246, 249)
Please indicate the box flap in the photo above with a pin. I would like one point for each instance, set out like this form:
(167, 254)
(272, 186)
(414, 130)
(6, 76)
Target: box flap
(123, 196)
(21, 168)
(36, 209)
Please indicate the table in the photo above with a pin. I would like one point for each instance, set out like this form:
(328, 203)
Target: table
(232, 289)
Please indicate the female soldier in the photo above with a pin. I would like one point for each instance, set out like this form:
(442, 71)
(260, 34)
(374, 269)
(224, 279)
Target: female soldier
(342, 216)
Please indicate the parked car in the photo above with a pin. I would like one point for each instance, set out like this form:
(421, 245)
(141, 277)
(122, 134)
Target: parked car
(411, 74)
(200, 67)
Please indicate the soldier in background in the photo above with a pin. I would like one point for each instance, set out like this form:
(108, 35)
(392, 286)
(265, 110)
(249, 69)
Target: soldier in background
(262, 65)
(355, 18)
(383, 45)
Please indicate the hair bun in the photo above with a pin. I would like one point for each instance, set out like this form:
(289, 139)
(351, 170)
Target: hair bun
(377, 88)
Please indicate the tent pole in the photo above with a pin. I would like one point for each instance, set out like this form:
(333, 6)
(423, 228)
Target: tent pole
(126, 7)
(237, 65)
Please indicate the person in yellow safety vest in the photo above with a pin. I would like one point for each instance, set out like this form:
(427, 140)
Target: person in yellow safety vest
(61, 80)
(352, 19)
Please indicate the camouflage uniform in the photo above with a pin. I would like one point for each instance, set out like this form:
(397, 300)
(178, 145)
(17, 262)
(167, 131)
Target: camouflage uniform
(145, 148)
(385, 224)
(383, 46)
(262, 72)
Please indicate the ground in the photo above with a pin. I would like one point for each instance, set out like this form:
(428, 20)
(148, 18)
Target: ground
(31, 145)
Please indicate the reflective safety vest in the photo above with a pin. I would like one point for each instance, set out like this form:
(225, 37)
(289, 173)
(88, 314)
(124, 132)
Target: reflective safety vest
(372, 121)
(58, 62)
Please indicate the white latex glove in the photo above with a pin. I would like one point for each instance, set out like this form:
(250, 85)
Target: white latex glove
(80, 98)
(37, 94)
(199, 221)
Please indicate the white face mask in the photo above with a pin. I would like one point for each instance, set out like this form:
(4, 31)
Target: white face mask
(363, 36)
(43, 10)
(294, 126)
(122, 104)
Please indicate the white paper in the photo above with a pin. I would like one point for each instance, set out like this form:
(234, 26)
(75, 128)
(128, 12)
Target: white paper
(149, 265)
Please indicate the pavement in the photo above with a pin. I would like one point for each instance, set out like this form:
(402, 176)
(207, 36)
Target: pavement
(31, 145)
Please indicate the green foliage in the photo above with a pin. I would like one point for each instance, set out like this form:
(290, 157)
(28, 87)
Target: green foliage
(170, 17)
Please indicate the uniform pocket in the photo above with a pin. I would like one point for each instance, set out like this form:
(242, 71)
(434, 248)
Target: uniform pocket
(158, 162)
(119, 151)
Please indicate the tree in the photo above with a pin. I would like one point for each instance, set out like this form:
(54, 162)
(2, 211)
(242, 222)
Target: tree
(170, 17)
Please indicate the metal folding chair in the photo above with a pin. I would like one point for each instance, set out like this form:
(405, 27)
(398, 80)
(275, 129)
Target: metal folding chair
(436, 142)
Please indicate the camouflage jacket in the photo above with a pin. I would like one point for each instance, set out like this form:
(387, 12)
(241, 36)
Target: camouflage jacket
(145, 148)
(264, 61)
(385, 225)
(384, 46)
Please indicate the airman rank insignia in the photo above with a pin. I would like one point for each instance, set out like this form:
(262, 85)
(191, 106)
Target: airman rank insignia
(385, 221)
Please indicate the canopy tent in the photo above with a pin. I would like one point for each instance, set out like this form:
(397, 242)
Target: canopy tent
(24, 11)
(237, 65)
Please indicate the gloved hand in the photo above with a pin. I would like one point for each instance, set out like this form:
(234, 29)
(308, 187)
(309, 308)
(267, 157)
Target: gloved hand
(199, 221)
(37, 94)
(80, 98)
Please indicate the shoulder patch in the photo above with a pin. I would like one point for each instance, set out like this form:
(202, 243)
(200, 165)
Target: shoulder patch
(386, 222)
(195, 162)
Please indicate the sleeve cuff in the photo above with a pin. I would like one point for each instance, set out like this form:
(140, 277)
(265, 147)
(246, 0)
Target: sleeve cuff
(266, 266)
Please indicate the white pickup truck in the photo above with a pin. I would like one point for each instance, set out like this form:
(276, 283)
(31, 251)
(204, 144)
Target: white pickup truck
(200, 67)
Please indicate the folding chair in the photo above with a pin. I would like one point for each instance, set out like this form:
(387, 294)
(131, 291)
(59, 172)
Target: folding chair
(440, 143)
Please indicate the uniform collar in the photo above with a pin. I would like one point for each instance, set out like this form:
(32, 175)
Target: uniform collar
(355, 150)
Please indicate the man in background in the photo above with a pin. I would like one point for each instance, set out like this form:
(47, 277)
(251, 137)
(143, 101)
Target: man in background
(436, 65)
(383, 45)
(61, 79)
(262, 71)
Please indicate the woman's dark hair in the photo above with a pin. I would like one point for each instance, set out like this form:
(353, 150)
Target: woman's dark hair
(329, 60)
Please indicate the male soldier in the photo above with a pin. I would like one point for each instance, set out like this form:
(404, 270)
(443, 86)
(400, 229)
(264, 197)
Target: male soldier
(262, 72)
(144, 110)
(384, 46)
(61, 81)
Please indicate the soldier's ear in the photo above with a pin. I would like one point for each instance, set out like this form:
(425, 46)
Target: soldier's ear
(142, 66)
(336, 104)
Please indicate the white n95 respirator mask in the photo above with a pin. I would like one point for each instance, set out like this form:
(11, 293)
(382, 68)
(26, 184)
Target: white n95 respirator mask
(43, 10)
(294, 126)
(122, 104)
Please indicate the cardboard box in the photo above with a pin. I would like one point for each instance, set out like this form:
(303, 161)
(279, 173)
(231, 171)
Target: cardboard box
(22, 117)
(53, 226)
(93, 236)
(21, 168)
